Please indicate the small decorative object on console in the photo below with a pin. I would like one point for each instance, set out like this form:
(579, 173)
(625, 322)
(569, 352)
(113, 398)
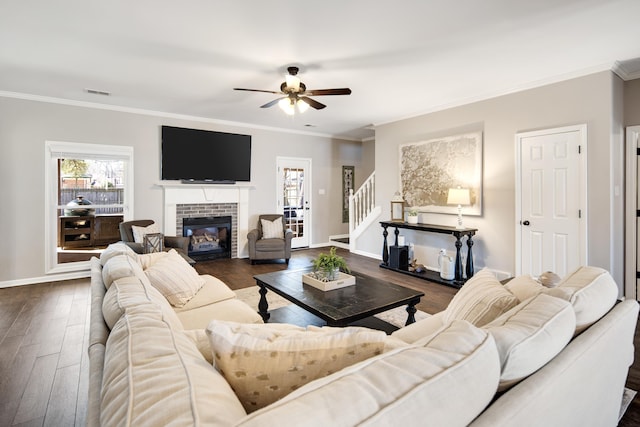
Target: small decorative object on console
(412, 216)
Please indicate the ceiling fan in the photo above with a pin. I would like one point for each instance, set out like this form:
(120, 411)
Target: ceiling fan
(296, 94)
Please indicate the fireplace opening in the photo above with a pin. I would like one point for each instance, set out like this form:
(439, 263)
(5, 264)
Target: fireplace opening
(209, 237)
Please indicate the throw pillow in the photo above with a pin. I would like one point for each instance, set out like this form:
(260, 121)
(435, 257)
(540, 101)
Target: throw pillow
(263, 363)
(174, 278)
(524, 287)
(480, 300)
(272, 229)
(147, 260)
(139, 232)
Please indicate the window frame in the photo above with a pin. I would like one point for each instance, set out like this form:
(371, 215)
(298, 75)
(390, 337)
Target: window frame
(55, 150)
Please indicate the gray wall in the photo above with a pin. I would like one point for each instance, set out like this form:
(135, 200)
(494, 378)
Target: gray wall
(632, 102)
(25, 125)
(594, 100)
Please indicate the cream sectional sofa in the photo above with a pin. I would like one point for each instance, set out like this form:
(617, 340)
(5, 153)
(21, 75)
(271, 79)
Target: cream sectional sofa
(515, 355)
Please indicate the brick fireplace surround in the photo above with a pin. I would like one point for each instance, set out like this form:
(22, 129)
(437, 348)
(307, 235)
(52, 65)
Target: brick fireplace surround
(198, 200)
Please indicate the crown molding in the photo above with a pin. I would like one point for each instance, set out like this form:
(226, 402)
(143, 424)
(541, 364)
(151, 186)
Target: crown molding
(141, 111)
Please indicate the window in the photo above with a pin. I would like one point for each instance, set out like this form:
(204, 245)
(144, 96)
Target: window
(89, 192)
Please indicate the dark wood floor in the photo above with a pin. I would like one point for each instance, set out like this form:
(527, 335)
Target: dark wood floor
(44, 333)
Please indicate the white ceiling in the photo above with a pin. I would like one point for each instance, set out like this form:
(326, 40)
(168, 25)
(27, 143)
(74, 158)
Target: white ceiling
(401, 58)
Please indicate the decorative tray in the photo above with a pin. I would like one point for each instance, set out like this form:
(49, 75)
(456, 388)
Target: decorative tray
(343, 281)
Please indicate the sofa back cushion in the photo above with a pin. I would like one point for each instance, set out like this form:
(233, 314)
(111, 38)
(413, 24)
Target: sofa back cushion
(590, 290)
(120, 266)
(531, 334)
(446, 381)
(154, 375)
(116, 249)
(132, 291)
(480, 300)
(265, 362)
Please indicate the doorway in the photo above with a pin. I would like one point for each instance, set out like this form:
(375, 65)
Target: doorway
(632, 222)
(294, 197)
(551, 200)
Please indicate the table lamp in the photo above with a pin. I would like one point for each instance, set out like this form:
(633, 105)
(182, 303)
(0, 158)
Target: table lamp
(459, 196)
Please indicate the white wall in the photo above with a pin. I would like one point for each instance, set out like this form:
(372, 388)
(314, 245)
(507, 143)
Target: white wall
(25, 125)
(587, 100)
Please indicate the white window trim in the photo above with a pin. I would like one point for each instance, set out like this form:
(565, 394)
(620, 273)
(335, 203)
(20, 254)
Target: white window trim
(55, 150)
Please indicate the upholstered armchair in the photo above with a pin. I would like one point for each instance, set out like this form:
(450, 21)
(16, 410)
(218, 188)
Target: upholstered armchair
(270, 239)
(180, 244)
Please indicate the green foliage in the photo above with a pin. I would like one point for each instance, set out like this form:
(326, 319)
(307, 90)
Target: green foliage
(74, 167)
(327, 263)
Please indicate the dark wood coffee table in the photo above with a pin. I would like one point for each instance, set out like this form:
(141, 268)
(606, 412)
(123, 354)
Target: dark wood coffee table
(338, 307)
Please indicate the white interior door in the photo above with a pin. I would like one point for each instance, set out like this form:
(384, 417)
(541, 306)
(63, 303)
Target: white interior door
(294, 197)
(551, 200)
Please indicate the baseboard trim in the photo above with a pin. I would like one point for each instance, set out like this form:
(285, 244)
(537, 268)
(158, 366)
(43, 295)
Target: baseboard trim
(44, 279)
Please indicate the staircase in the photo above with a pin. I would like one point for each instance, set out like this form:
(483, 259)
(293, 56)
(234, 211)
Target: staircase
(362, 209)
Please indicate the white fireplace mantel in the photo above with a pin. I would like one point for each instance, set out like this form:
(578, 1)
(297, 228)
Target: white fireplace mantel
(177, 194)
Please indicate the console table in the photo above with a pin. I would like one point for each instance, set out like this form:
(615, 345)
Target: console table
(458, 233)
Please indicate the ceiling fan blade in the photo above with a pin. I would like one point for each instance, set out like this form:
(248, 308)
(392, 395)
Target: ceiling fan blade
(318, 92)
(272, 103)
(312, 103)
(256, 90)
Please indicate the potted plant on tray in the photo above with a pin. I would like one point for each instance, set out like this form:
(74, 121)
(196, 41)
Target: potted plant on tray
(327, 266)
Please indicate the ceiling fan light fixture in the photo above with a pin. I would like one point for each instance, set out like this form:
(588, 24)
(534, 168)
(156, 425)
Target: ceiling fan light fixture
(302, 106)
(287, 105)
(293, 82)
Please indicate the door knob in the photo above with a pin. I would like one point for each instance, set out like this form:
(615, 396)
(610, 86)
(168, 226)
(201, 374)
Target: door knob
(525, 222)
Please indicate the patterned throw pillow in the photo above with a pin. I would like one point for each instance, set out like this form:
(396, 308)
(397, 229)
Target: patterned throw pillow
(139, 232)
(272, 229)
(174, 278)
(480, 300)
(263, 363)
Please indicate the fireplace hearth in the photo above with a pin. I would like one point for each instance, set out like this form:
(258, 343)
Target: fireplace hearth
(209, 237)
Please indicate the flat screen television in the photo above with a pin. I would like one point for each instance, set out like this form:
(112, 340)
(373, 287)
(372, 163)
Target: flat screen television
(195, 155)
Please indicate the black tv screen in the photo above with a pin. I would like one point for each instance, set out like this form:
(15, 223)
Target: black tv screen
(202, 155)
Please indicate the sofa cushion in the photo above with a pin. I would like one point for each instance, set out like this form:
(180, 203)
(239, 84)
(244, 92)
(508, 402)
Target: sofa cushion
(232, 310)
(420, 329)
(272, 229)
(174, 278)
(116, 249)
(130, 292)
(265, 362)
(480, 300)
(590, 290)
(154, 375)
(120, 266)
(593, 293)
(213, 290)
(139, 232)
(531, 334)
(446, 381)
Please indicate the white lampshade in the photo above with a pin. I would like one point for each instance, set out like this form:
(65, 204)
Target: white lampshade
(458, 196)
(293, 82)
(287, 105)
